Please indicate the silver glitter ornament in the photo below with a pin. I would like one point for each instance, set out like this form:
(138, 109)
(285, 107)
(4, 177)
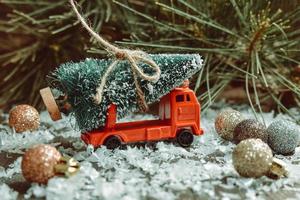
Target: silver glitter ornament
(252, 158)
(250, 128)
(283, 137)
(226, 121)
(24, 118)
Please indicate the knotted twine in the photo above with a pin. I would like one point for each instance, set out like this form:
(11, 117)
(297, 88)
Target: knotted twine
(133, 56)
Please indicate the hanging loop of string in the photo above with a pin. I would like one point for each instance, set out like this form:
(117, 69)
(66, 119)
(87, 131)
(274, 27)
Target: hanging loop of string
(132, 56)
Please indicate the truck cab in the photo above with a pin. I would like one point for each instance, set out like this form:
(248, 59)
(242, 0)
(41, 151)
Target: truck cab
(179, 118)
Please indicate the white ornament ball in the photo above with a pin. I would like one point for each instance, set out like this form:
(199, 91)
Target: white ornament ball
(252, 158)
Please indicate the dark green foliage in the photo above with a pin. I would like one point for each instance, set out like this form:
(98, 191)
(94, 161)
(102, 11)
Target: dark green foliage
(253, 44)
(80, 80)
(37, 36)
(248, 43)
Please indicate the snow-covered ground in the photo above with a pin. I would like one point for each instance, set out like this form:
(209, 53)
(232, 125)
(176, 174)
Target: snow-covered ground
(163, 171)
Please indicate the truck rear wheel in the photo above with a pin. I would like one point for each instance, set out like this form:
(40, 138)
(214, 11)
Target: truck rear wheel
(112, 142)
(185, 138)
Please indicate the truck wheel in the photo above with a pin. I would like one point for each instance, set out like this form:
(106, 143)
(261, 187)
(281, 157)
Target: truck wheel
(112, 142)
(185, 138)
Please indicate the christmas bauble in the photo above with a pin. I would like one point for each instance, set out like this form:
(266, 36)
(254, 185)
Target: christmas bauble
(24, 118)
(38, 163)
(252, 158)
(283, 137)
(250, 128)
(226, 121)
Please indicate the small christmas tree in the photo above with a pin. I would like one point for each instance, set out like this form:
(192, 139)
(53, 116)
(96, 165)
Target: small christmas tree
(79, 82)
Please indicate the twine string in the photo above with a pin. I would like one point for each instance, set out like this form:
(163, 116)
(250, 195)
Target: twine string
(133, 56)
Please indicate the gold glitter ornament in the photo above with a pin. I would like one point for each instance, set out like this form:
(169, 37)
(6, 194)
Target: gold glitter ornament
(252, 158)
(226, 121)
(38, 163)
(42, 162)
(24, 118)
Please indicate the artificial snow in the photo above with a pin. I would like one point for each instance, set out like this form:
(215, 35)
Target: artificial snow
(161, 171)
(7, 193)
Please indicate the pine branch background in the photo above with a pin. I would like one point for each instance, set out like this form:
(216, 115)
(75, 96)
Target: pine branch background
(251, 47)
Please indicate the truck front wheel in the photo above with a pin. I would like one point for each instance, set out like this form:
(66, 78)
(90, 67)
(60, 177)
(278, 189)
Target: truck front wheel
(112, 142)
(185, 138)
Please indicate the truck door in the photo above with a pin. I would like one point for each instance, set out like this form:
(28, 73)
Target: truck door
(185, 107)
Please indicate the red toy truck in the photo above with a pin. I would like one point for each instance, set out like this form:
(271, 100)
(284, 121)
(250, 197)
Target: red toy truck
(179, 117)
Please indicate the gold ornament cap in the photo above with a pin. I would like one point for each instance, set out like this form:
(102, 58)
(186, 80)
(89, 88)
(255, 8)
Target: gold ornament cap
(277, 169)
(67, 166)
